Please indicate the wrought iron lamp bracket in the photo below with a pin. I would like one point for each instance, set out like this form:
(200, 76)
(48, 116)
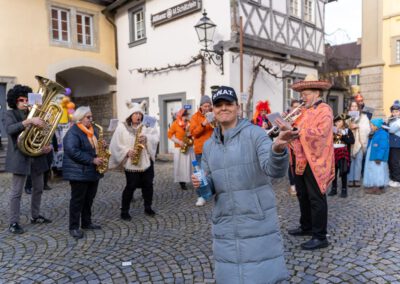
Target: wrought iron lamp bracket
(214, 56)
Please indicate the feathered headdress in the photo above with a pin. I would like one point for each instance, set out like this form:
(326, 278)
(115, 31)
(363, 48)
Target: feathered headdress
(260, 107)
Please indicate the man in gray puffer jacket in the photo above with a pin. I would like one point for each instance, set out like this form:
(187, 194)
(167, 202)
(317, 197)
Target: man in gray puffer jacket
(239, 160)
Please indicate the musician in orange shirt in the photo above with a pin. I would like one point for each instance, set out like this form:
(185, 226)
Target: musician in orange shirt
(201, 129)
(178, 133)
(314, 162)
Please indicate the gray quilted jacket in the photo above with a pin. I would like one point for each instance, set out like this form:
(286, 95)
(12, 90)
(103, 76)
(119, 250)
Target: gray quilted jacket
(247, 243)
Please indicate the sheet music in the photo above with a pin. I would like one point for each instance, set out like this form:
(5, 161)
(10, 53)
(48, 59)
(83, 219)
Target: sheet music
(113, 124)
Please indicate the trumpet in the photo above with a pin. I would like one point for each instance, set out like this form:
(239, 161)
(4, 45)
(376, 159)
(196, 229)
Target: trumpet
(291, 117)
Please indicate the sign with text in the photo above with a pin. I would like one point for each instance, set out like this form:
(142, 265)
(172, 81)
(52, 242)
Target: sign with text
(175, 12)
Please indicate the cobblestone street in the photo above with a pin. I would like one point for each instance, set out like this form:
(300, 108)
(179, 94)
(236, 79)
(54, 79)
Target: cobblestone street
(175, 246)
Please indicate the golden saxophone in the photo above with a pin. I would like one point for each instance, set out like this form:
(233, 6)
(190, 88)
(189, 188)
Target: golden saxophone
(103, 151)
(187, 143)
(137, 147)
(33, 139)
(291, 117)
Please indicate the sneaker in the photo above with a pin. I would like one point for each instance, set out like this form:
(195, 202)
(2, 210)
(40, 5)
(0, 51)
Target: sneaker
(28, 190)
(15, 228)
(40, 220)
(292, 190)
(200, 201)
(393, 183)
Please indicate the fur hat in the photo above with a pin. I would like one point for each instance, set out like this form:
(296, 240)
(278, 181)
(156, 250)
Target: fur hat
(80, 113)
(135, 107)
(311, 82)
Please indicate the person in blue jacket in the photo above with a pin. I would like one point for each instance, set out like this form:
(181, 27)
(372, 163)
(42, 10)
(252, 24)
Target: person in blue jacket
(376, 167)
(240, 161)
(79, 167)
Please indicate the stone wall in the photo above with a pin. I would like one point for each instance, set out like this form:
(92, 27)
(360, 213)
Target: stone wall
(371, 85)
(102, 107)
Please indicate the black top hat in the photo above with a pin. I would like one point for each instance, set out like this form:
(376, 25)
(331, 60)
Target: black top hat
(342, 116)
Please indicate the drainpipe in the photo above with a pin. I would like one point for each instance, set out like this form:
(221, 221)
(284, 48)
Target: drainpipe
(111, 21)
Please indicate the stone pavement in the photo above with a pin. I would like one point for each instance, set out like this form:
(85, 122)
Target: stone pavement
(175, 246)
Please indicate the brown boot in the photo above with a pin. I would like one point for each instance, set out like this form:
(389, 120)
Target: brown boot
(370, 190)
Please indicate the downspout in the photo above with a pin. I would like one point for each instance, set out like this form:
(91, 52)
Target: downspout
(111, 21)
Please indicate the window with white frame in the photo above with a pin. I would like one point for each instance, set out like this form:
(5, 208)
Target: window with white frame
(309, 10)
(294, 8)
(397, 52)
(289, 93)
(137, 26)
(354, 79)
(60, 24)
(84, 29)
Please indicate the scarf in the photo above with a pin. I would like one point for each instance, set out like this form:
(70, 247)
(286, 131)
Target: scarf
(89, 134)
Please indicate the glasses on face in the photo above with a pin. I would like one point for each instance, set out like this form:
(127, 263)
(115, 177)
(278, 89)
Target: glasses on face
(89, 116)
(22, 100)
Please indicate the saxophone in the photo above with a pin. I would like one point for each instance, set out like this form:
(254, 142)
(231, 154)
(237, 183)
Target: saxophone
(103, 151)
(187, 142)
(137, 147)
(32, 140)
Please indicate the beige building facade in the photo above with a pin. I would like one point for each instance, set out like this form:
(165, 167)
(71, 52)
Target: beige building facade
(380, 54)
(69, 41)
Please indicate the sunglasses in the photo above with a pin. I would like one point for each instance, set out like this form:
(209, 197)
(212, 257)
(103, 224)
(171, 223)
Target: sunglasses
(22, 100)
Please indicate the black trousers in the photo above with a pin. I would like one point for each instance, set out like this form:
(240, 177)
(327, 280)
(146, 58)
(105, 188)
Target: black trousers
(143, 180)
(394, 164)
(313, 205)
(342, 174)
(80, 205)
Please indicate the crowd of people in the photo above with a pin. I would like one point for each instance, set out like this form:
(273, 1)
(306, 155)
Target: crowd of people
(239, 158)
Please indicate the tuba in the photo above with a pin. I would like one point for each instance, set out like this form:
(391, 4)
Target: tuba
(103, 151)
(33, 139)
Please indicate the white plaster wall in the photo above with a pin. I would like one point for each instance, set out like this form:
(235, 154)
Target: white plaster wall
(266, 86)
(172, 43)
(278, 5)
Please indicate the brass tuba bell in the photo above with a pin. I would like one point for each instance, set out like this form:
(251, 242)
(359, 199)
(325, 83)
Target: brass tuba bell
(32, 140)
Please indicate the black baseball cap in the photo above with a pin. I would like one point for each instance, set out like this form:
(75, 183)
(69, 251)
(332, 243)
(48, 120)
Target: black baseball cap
(224, 93)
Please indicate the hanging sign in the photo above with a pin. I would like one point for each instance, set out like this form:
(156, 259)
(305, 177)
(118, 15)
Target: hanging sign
(175, 12)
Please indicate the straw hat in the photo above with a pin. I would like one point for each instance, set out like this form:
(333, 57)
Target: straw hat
(311, 82)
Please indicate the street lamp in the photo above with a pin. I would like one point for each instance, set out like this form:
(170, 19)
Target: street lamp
(205, 29)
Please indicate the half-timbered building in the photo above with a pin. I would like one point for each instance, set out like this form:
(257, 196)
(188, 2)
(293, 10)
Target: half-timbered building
(161, 59)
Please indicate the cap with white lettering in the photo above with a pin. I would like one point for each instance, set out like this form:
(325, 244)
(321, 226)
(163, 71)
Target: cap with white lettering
(224, 93)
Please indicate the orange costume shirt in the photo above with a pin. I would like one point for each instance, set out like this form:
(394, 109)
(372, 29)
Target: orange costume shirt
(315, 144)
(199, 132)
(177, 130)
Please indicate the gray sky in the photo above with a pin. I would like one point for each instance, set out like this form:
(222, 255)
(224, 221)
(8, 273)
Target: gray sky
(342, 21)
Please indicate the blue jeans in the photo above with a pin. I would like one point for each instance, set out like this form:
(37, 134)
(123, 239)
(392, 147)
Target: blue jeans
(355, 167)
